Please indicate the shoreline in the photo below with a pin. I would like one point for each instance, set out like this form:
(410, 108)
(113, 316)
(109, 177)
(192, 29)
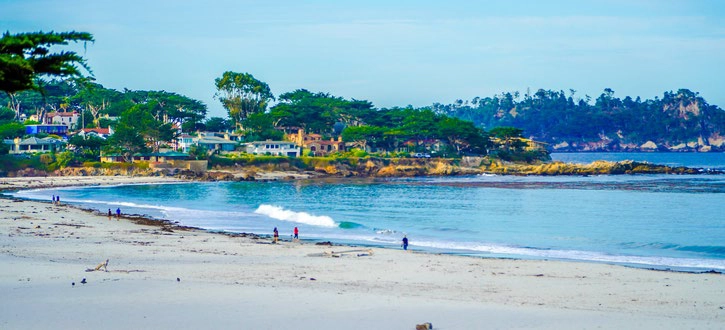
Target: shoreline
(144, 219)
(163, 276)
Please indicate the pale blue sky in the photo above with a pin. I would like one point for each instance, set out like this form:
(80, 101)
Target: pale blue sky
(395, 53)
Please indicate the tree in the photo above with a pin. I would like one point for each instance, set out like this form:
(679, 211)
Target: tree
(89, 146)
(26, 57)
(260, 127)
(363, 135)
(11, 130)
(97, 99)
(127, 141)
(169, 107)
(137, 129)
(218, 124)
(462, 135)
(510, 136)
(242, 94)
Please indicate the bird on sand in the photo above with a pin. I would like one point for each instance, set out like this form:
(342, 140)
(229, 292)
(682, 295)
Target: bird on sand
(178, 279)
(84, 281)
(73, 283)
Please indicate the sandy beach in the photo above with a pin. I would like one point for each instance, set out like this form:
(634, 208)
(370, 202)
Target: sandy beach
(160, 276)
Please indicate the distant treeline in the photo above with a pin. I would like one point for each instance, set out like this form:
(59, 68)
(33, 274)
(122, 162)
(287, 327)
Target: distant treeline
(681, 120)
(609, 123)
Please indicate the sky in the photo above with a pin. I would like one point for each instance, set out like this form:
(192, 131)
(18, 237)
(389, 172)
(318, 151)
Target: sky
(395, 53)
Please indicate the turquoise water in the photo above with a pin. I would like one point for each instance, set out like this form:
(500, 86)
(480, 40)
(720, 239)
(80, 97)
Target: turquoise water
(659, 221)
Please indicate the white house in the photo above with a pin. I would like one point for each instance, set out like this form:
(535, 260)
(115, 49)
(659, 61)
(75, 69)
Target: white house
(207, 140)
(102, 133)
(185, 141)
(69, 119)
(277, 148)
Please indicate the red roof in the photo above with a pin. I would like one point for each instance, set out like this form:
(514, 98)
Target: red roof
(104, 131)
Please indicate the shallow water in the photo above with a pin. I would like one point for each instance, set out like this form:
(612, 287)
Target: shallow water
(659, 221)
(667, 221)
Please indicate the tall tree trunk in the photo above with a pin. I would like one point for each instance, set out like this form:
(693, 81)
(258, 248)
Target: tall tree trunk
(14, 104)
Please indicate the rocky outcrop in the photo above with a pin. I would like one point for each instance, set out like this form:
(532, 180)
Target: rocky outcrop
(380, 167)
(595, 168)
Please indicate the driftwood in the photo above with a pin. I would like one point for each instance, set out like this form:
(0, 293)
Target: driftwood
(103, 265)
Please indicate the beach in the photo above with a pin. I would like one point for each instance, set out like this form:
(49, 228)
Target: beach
(161, 276)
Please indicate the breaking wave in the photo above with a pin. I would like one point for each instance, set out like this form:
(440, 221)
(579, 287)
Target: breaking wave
(279, 213)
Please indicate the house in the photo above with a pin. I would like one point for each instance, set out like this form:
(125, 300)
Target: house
(213, 143)
(34, 144)
(154, 157)
(277, 148)
(60, 130)
(210, 141)
(69, 119)
(102, 133)
(532, 145)
(323, 147)
(316, 143)
(428, 145)
(185, 141)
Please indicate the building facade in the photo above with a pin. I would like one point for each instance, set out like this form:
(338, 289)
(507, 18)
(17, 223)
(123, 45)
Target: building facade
(275, 148)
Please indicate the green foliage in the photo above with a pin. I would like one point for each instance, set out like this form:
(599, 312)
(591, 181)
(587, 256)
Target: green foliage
(198, 152)
(26, 57)
(260, 126)
(218, 124)
(88, 147)
(105, 123)
(242, 95)
(553, 117)
(64, 159)
(6, 114)
(318, 112)
(171, 107)
(18, 162)
(10, 130)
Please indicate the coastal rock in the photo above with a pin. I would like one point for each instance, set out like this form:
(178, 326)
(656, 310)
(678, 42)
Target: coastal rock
(649, 145)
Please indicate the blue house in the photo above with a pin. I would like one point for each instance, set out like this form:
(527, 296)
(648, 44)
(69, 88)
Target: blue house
(60, 130)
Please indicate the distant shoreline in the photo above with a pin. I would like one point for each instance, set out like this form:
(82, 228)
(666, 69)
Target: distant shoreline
(378, 168)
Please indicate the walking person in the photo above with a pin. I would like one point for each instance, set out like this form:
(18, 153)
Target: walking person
(276, 235)
(405, 242)
(296, 233)
(118, 213)
(109, 214)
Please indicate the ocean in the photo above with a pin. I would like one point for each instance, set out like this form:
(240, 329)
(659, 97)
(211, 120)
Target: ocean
(651, 221)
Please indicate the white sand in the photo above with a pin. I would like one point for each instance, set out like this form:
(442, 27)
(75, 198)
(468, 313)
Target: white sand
(245, 283)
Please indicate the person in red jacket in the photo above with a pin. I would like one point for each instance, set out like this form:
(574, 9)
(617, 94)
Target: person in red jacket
(296, 232)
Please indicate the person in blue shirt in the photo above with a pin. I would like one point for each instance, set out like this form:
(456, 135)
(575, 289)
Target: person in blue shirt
(405, 242)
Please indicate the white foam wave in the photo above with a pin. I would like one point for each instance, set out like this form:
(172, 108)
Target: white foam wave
(276, 212)
(578, 255)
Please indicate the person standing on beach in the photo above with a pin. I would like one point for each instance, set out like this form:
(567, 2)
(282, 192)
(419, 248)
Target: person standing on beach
(57, 200)
(405, 242)
(276, 235)
(109, 214)
(296, 232)
(118, 213)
